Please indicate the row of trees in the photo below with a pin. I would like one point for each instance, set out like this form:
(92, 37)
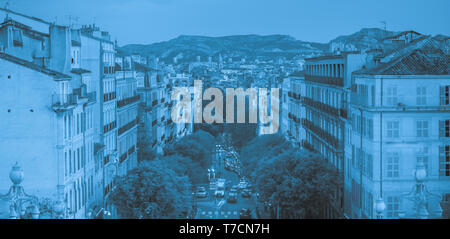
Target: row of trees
(299, 183)
(161, 186)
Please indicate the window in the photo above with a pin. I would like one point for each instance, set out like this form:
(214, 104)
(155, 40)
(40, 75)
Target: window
(445, 95)
(444, 161)
(393, 129)
(421, 95)
(368, 168)
(444, 128)
(393, 207)
(65, 164)
(392, 95)
(422, 128)
(392, 165)
(370, 128)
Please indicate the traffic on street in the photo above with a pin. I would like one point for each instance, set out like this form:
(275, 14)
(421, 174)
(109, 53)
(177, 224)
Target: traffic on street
(228, 195)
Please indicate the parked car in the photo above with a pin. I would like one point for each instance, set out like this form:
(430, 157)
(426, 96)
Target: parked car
(246, 193)
(220, 193)
(242, 184)
(245, 213)
(232, 197)
(220, 189)
(235, 188)
(201, 192)
(249, 187)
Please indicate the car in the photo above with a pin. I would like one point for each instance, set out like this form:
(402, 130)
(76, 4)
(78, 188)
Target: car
(246, 193)
(232, 197)
(201, 192)
(220, 193)
(235, 188)
(249, 187)
(242, 184)
(245, 213)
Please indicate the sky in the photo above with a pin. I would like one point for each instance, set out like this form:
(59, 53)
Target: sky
(150, 21)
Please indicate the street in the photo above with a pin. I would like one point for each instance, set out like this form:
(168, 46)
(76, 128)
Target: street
(213, 207)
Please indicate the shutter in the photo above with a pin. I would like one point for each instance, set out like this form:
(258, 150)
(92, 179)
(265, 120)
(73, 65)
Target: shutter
(441, 128)
(442, 94)
(441, 161)
(83, 122)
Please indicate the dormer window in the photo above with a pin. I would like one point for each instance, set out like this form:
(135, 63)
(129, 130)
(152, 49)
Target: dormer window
(17, 38)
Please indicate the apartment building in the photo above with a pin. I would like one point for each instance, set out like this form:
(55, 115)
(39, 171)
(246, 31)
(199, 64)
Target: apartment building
(327, 83)
(61, 136)
(152, 109)
(295, 131)
(400, 119)
(127, 112)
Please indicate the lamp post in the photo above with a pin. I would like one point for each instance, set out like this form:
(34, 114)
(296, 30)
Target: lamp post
(22, 205)
(420, 195)
(380, 206)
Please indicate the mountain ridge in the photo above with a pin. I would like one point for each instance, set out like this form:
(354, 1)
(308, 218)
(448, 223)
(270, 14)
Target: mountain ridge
(188, 47)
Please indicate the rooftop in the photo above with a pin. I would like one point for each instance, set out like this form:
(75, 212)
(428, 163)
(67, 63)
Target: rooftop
(30, 65)
(416, 62)
(298, 74)
(335, 56)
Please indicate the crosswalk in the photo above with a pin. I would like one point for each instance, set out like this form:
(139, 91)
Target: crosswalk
(217, 213)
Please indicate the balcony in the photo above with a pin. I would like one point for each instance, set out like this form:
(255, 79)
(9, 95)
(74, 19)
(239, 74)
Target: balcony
(109, 96)
(106, 160)
(127, 101)
(110, 126)
(324, 107)
(308, 146)
(335, 81)
(61, 102)
(17, 43)
(327, 137)
(127, 127)
(123, 157)
(131, 150)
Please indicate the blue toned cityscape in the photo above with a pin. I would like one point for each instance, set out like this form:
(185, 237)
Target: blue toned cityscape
(225, 109)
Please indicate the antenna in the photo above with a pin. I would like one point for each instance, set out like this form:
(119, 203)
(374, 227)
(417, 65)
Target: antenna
(7, 9)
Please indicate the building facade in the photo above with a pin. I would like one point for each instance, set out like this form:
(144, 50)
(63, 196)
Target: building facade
(400, 117)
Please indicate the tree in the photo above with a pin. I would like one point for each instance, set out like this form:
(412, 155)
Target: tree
(152, 191)
(185, 166)
(145, 152)
(299, 183)
(241, 134)
(261, 149)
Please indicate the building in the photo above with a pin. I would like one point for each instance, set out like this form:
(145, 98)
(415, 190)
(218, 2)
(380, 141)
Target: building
(400, 117)
(127, 112)
(77, 160)
(327, 83)
(295, 108)
(153, 107)
(62, 135)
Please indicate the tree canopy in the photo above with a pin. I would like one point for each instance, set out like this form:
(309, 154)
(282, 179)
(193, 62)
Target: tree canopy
(152, 190)
(299, 182)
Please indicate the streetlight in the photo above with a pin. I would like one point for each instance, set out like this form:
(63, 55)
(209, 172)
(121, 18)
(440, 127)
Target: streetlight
(22, 205)
(380, 206)
(420, 195)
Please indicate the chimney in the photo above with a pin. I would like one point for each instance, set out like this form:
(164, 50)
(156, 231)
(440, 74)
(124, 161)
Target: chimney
(373, 57)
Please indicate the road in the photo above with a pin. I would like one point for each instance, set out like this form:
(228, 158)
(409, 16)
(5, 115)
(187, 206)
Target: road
(218, 208)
